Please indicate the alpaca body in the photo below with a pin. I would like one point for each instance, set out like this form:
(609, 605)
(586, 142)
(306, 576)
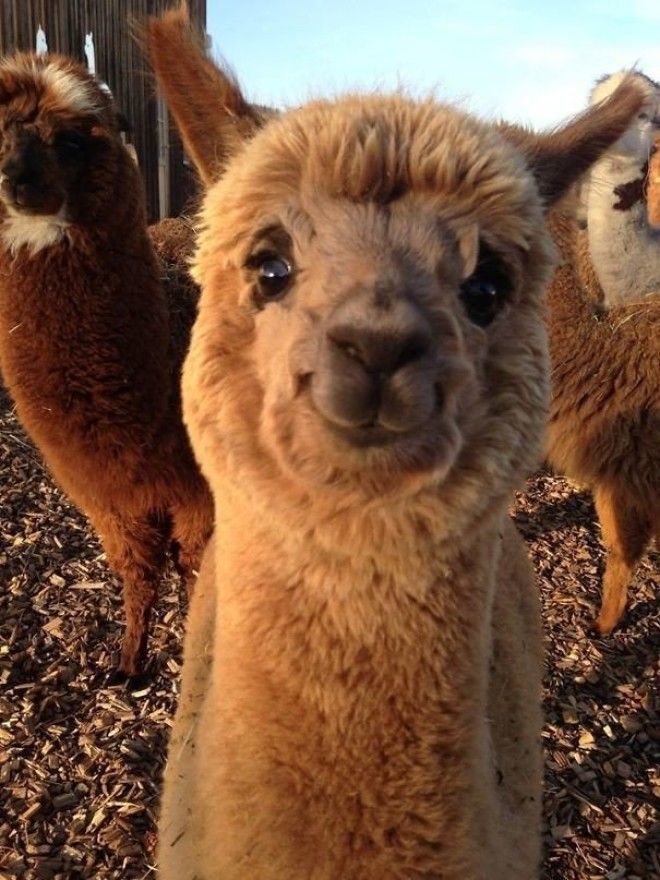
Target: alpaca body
(90, 348)
(365, 386)
(604, 425)
(358, 755)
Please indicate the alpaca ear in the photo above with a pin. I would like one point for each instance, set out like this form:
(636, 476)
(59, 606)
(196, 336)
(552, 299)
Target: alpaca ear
(560, 157)
(212, 116)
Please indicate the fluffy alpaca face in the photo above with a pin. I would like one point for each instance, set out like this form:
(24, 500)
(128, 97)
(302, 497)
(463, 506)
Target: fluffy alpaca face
(365, 264)
(372, 272)
(57, 129)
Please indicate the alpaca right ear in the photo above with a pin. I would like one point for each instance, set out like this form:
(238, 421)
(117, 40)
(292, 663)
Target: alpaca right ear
(560, 157)
(212, 116)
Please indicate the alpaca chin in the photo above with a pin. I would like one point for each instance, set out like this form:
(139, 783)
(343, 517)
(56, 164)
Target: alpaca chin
(296, 436)
(33, 232)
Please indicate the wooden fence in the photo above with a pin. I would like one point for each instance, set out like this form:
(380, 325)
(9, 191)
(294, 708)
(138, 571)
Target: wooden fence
(119, 61)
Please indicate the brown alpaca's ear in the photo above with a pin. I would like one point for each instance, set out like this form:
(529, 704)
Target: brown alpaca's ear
(212, 115)
(560, 157)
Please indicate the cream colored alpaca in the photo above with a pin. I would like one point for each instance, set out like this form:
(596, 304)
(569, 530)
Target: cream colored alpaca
(622, 247)
(367, 384)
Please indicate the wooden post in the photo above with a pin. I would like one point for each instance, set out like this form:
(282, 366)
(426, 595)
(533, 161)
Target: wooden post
(163, 159)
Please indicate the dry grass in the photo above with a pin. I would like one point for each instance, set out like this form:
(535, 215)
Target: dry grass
(80, 762)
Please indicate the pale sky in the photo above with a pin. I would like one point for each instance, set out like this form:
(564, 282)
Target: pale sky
(528, 62)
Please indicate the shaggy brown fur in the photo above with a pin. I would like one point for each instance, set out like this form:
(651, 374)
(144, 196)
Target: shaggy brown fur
(584, 266)
(89, 351)
(604, 426)
(173, 240)
(365, 387)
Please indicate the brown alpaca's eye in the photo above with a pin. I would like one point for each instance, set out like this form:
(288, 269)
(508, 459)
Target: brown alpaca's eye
(481, 300)
(70, 146)
(273, 278)
(485, 292)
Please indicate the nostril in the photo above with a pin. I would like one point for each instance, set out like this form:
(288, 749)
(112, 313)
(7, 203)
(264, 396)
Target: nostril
(12, 171)
(20, 193)
(412, 349)
(379, 352)
(349, 348)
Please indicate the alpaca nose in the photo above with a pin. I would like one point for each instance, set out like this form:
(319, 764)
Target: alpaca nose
(377, 368)
(16, 179)
(380, 352)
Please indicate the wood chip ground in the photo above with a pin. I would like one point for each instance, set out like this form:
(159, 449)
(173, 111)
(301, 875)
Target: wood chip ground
(80, 762)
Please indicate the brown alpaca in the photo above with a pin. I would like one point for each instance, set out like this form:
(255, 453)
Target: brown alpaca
(604, 426)
(88, 350)
(366, 385)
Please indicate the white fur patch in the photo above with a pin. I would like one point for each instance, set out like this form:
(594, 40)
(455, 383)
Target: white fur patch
(33, 232)
(71, 91)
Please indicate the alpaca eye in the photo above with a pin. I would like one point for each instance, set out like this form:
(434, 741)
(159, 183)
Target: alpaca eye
(485, 292)
(481, 300)
(643, 116)
(69, 146)
(273, 277)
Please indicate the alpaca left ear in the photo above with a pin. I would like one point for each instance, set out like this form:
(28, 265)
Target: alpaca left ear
(560, 157)
(212, 116)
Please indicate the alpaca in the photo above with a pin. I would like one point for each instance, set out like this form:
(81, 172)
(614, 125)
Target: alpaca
(366, 385)
(622, 248)
(603, 431)
(88, 349)
(604, 424)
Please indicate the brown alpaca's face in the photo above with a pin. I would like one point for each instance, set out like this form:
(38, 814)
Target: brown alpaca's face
(365, 331)
(361, 348)
(55, 123)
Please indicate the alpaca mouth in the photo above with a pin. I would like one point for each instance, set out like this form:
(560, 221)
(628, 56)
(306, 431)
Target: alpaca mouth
(377, 431)
(29, 201)
(369, 435)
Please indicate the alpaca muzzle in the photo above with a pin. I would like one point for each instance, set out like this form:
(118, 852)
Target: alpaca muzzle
(376, 378)
(25, 184)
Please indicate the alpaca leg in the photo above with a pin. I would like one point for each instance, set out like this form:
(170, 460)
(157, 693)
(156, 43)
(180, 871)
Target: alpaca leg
(136, 551)
(626, 532)
(192, 524)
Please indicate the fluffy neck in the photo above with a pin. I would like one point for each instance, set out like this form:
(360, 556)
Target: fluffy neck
(376, 566)
(80, 317)
(380, 647)
(625, 250)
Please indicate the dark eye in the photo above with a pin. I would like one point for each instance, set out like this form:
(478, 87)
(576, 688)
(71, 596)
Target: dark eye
(481, 300)
(484, 293)
(274, 275)
(70, 145)
(643, 116)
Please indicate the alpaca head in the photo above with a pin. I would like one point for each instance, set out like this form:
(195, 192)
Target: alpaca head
(637, 141)
(372, 273)
(58, 131)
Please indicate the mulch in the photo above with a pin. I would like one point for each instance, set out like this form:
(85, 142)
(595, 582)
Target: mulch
(80, 761)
